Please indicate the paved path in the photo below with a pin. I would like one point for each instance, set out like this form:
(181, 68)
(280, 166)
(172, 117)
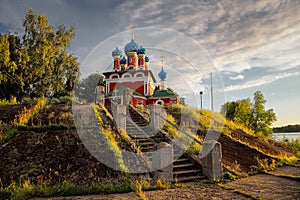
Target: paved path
(282, 183)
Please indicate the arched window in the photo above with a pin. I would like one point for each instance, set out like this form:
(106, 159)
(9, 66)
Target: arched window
(126, 75)
(159, 102)
(114, 76)
(139, 75)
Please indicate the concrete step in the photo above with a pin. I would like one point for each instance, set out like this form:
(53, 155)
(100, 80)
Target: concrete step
(146, 143)
(188, 178)
(181, 160)
(187, 171)
(176, 166)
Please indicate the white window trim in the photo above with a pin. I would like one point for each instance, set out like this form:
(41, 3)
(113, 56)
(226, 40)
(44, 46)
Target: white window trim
(111, 76)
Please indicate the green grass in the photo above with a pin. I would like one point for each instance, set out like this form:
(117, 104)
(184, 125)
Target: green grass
(27, 190)
(12, 101)
(112, 142)
(27, 114)
(294, 144)
(7, 135)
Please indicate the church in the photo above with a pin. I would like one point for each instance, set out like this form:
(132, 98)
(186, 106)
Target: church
(131, 71)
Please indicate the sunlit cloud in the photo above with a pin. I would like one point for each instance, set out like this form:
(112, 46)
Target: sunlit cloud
(261, 81)
(238, 77)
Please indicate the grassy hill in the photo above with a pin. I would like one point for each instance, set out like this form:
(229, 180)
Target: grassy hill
(42, 154)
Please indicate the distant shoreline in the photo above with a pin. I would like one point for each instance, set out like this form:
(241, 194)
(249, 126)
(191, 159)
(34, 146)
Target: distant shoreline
(287, 129)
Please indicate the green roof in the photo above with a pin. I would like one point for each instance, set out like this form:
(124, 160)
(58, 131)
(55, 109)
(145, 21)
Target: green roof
(164, 93)
(120, 90)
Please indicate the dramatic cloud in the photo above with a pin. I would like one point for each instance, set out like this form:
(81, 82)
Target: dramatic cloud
(261, 81)
(246, 44)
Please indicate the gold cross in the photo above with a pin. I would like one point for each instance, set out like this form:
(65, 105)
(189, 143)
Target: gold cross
(162, 60)
(132, 28)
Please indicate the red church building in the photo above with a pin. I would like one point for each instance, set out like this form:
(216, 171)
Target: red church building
(131, 70)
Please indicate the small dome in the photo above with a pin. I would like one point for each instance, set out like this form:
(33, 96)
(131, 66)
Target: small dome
(116, 52)
(147, 59)
(131, 46)
(162, 74)
(141, 50)
(123, 60)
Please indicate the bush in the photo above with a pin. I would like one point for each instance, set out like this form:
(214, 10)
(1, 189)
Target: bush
(12, 101)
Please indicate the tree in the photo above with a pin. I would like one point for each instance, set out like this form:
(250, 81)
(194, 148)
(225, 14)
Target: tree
(252, 115)
(261, 119)
(86, 89)
(38, 63)
(238, 111)
(52, 69)
(11, 66)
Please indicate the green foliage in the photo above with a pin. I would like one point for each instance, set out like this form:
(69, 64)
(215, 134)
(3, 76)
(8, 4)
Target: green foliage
(12, 101)
(171, 130)
(195, 148)
(6, 132)
(230, 176)
(37, 62)
(261, 120)
(27, 114)
(138, 185)
(265, 165)
(294, 144)
(252, 115)
(238, 111)
(112, 142)
(28, 190)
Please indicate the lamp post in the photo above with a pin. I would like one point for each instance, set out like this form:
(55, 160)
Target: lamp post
(201, 93)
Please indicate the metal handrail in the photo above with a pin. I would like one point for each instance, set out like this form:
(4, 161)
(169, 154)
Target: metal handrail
(174, 125)
(141, 156)
(180, 129)
(140, 129)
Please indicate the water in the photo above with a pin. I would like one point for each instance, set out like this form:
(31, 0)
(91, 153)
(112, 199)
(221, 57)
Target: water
(289, 136)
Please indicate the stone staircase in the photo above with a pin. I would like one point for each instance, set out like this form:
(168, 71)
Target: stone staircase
(185, 167)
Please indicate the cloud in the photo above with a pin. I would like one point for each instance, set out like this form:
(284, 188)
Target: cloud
(238, 77)
(261, 81)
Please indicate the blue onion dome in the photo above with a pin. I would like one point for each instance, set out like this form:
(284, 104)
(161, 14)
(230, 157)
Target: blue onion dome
(132, 46)
(141, 50)
(162, 74)
(123, 60)
(147, 59)
(117, 52)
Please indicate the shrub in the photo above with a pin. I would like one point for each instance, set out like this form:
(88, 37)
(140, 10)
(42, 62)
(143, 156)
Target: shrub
(170, 129)
(27, 114)
(12, 101)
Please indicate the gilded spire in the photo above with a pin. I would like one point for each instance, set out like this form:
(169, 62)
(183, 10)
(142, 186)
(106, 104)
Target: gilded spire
(162, 60)
(132, 28)
(116, 41)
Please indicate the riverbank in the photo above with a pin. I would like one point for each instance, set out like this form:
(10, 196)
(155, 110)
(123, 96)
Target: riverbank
(283, 136)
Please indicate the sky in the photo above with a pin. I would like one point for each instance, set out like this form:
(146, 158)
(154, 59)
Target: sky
(247, 45)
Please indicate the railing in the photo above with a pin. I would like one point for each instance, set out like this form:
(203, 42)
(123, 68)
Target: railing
(140, 129)
(174, 125)
(142, 158)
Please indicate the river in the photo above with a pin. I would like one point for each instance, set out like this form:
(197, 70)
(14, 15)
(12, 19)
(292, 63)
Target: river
(289, 136)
